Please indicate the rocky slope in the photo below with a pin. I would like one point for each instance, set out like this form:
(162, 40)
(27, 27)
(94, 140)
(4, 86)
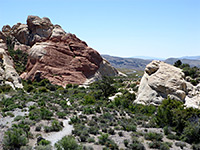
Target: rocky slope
(8, 74)
(58, 56)
(162, 80)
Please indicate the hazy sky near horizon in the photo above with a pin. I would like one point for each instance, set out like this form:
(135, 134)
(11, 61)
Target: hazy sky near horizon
(156, 28)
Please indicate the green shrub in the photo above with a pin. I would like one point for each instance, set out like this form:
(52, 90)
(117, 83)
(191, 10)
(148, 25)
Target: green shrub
(47, 129)
(126, 142)
(83, 138)
(93, 130)
(29, 88)
(91, 140)
(128, 125)
(88, 110)
(68, 86)
(43, 82)
(44, 142)
(155, 144)
(51, 87)
(111, 131)
(136, 145)
(34, 114)
(26, 148)
(5, 88)
(17, 118)
(67, 143)
(74, 120)
(43, 147)
(10, 114)
(103, 139)
(38, 128)
(165, 115)
(194, 82)
(45, 113)
(105, 86)
(14, 139)
(88, 99)
(191, 133)
(172, 136)
(166, 130)
(153, 136)
(61, 115)
(42, 89)
(148, 110)
(55, 126)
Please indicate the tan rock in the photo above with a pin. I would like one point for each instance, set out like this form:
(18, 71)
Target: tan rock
(40, 28)
(21, 33)
(22, 47)
(6, 30)
(57, 33)
(8, 74)
(161, 80)
(2, 37)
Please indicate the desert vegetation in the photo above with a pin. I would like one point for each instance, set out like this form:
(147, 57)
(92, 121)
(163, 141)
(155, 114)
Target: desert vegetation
(97, 120)
(192, 73)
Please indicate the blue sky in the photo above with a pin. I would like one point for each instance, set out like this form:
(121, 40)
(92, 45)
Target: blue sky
(156, 28)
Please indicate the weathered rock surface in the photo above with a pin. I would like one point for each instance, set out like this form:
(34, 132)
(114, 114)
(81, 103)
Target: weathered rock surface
(8, 74)
(161, 80)
(53, 54)
(67, 61)
(21, 33)
(40, 29)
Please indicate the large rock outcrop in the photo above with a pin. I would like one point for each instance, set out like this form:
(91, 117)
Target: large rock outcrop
(67, 61)
(162, 80)
(8, 74)
(54, 54)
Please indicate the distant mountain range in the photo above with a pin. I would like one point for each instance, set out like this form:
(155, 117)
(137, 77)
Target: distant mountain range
(148, 57)
(140, 64)
(191, 57)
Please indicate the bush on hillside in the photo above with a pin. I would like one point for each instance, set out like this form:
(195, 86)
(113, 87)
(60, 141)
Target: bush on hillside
(14, 139)
(67, 143)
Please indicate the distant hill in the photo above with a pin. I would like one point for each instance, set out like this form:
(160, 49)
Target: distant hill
(191, 57)
(140, 64)
(129, 63)
(148, 57)
(191, 62)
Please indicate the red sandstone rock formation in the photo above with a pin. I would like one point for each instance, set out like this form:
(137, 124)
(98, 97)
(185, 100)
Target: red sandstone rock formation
(60, 57)
(68, 61)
